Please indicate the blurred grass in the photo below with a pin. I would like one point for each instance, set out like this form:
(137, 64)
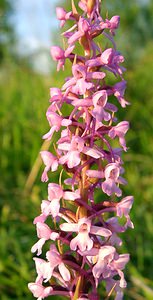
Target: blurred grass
(24, 97)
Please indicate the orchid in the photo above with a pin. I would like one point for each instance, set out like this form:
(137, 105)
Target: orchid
(81, 233)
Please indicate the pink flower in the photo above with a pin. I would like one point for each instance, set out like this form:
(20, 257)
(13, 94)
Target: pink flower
(78, 83)
(123, 208)
(112, 172)
(84, 227)
(118, 265)
(73, 149)
(55, 193)
(120, 130)
(110, 264)
(105, 256)
(99, 102)
(44, 233)
(110, 59)
(55, 260)
(39, 291)
(62, 15)
(50, 162)
(55, 121)
(83, 27)
(59, 56)
(119, 89)
(45, 268)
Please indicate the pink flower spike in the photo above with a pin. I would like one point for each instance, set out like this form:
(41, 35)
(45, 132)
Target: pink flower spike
(84, 118)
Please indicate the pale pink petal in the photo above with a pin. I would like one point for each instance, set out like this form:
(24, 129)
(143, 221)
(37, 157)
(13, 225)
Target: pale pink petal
(107, 56)
(68, 83)
(82, 103)
(54, 165)
(54, 236)
(36, 289)
(73, 159)
(64, 146)
(82, 241)
(68, 227)
(38, 246)
(41, 219)
(121, 261)
(43, 230)
(57, 53)
(70, 195)
(115, 20)
(44, 176)
(47, 270)
(107, 251)
(98, 268)
(54, 191)
(69, 50)
(66, 122)
(60, 13)
(95, 173)
(38, 263)
(124, 206)
(75, 36)
(96, 75)
(100, 231)
(109, 187)
(49, 134)
(92, 152)
(54, 207)
(100, 98)
(64, 272)
(123, 283)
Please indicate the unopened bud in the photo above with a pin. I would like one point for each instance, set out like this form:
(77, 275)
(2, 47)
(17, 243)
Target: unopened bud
(90, 6)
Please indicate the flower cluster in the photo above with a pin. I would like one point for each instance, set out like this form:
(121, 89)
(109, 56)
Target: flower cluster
(82, 229)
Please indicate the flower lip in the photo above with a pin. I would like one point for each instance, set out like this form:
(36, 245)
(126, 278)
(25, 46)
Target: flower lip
(83, 228)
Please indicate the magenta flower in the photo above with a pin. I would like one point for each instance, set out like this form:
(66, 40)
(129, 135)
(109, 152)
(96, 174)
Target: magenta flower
(82, 231)
(62, 15)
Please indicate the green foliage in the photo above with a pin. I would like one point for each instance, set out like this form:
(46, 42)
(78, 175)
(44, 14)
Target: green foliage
(7, 33)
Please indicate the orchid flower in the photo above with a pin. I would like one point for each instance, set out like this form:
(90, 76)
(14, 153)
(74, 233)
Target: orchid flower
(80, 232)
